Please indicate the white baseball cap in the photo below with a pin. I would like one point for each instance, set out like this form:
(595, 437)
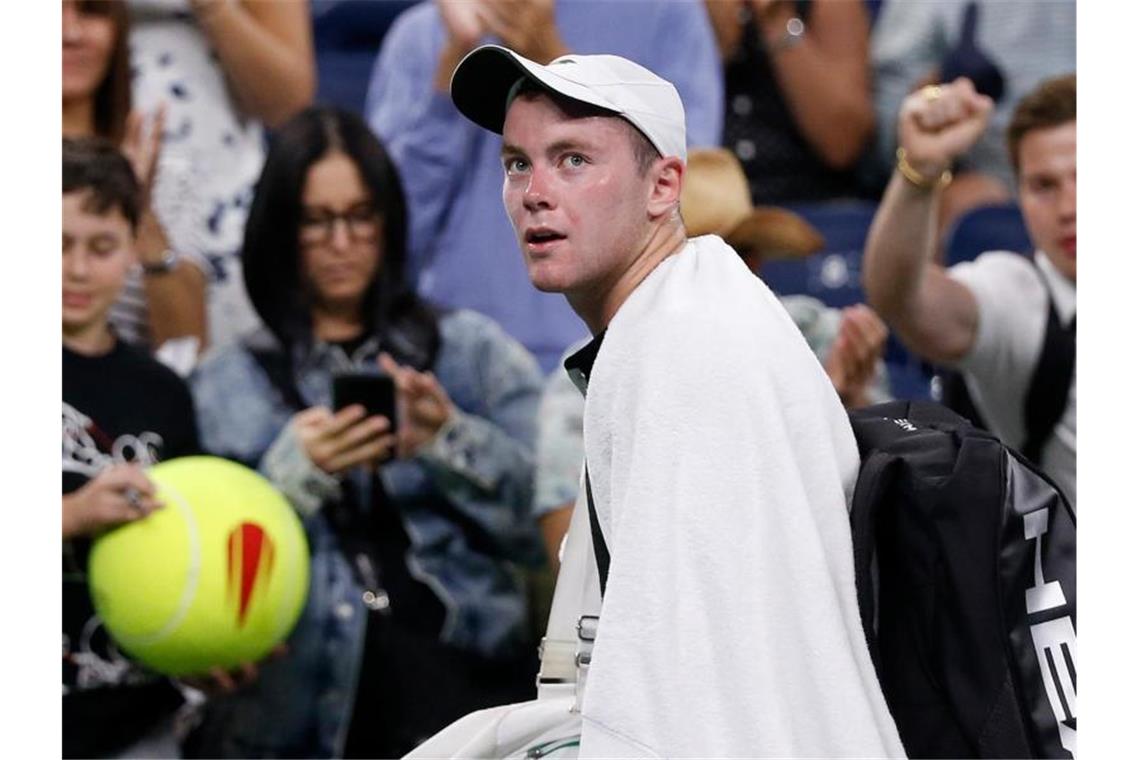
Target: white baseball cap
(487, 76)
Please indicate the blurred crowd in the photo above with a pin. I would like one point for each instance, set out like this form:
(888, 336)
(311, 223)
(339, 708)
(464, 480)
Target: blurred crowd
(259, 197)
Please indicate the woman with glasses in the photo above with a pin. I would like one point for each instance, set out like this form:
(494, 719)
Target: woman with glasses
(416, 612)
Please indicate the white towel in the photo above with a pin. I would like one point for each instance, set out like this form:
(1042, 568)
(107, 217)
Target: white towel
(722, 466)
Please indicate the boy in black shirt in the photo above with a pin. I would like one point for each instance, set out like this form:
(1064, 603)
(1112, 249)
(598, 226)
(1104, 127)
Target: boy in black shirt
(122, 411)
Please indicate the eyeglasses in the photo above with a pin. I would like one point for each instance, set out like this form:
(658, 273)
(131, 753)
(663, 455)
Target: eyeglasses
(362, 220)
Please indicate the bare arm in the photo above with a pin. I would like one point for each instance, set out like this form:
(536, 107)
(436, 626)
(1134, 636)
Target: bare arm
(934, 315)
(554, 525)
(824, 78)
(266, 50)
(176, 300)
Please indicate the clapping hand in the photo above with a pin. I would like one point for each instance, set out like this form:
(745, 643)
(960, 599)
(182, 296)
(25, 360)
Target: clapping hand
(463, 20)
(141, 145)
(525, 26)
(855, 353)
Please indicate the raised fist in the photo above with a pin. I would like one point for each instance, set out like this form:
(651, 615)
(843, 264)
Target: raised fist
(938, 123)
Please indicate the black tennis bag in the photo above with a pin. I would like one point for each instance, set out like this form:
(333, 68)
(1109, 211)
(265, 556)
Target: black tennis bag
(965, 558)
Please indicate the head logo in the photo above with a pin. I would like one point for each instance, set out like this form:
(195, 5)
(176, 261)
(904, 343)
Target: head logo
(249, 555)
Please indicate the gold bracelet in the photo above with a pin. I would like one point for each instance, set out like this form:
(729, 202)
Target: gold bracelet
(917, 178)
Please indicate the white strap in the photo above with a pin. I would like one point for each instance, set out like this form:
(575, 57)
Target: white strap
(576, 593)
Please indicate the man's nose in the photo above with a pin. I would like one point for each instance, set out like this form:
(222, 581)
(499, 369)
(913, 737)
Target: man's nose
(537, 193)
(1068, 203)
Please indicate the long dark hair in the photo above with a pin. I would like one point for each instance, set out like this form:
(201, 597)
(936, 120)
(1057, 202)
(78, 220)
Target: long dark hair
(113, 95)
(271, 255)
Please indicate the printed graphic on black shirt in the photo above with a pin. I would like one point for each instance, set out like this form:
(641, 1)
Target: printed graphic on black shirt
(122, 407)
(90, 657)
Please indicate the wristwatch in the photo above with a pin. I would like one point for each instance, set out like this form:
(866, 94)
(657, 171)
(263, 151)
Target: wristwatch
(792, 36)
(164, 265)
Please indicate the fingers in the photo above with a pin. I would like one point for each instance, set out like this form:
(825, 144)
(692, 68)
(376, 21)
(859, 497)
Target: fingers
(148, 158)
(867, 331)
(131, 134)
(341, 421)
(934, 107)
(336, 442)
(936, 112)
(244, 674)
(412, 383)
(158, 124)
(121, 476)
(865, 335)
(374, 451)
(222, 680)
(401, 376)
(131, 492)
(358, 435)
(311, 418)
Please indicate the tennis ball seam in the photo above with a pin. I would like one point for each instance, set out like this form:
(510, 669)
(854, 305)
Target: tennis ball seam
(193, 572)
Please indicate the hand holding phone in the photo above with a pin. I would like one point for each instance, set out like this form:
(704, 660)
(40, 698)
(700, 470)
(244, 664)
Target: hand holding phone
(376, 393)
(424, 405)
(361, 430)
(340, 441)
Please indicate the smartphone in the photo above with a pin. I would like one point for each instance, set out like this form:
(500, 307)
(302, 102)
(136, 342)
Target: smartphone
(376, 393)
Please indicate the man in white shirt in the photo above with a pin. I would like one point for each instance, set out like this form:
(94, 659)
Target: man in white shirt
(719, 458)
(990, 318)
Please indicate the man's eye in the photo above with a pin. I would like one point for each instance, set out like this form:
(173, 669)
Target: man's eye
(575, 160)
(515, 165)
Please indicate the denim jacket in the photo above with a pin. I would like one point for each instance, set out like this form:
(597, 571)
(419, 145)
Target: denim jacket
(481, 463)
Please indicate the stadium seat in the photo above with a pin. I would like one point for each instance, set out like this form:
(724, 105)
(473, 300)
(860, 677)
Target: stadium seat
(347, 36)
(833, 274)
(986, 228)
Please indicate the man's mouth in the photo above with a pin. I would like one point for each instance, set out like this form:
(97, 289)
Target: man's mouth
(539, 239)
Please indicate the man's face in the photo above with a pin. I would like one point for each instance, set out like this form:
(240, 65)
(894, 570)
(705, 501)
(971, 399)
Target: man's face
(1047, 189)
(98, 252)
(574, 195)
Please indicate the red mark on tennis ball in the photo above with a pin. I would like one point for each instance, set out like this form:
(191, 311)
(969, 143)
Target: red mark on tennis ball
(250, 557)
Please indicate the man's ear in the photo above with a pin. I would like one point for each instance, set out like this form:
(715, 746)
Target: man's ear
(665, 192)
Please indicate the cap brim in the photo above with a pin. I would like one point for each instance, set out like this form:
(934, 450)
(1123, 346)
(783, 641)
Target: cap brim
(485, 76)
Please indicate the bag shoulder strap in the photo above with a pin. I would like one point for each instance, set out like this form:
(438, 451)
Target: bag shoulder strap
(601, 551)
(1048, 392)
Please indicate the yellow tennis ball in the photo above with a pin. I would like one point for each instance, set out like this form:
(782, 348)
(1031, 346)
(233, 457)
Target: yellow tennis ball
(217, 577)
